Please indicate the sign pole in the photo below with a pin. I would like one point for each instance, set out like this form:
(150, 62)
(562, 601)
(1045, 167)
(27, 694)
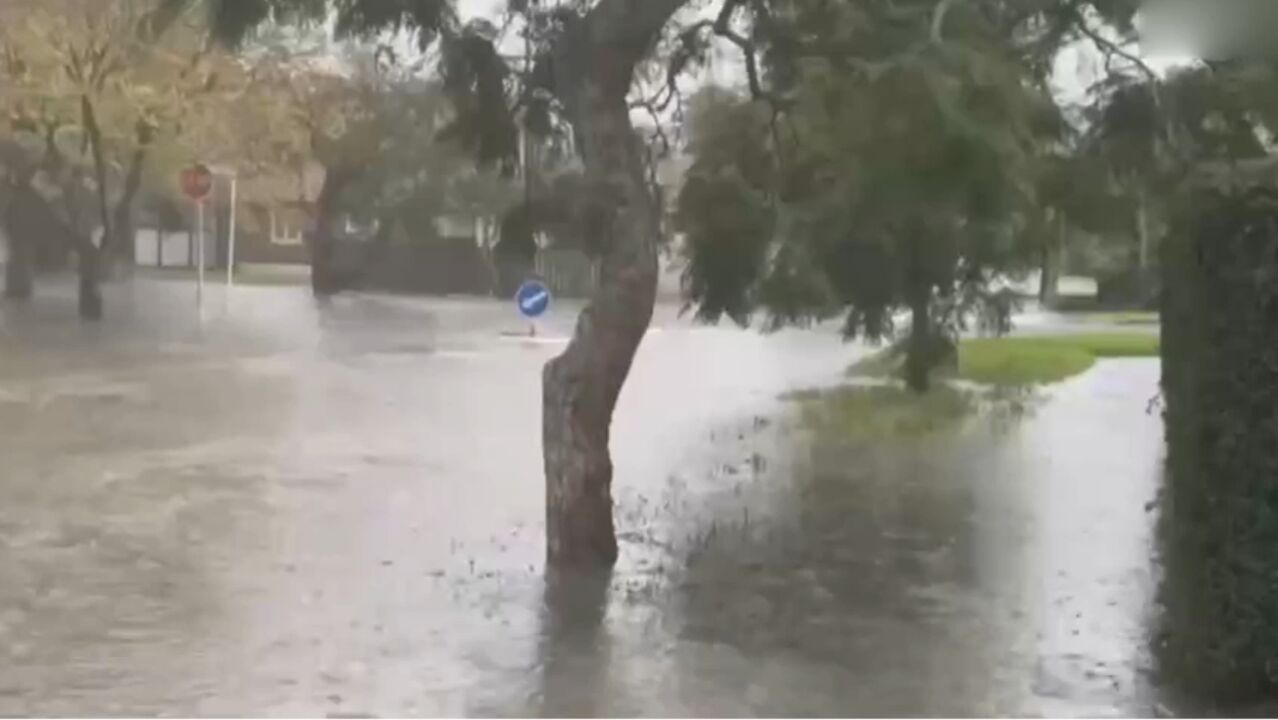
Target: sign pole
(230, 244)
(197, 183)
(199, 252)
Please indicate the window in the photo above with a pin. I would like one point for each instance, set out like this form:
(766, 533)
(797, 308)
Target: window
(284, 233)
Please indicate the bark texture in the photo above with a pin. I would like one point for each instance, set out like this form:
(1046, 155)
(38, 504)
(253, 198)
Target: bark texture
(90, 254)
(595, 68)
(94, 134)
(918, 361)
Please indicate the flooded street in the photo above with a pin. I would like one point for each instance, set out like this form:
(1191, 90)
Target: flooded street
(291, 510)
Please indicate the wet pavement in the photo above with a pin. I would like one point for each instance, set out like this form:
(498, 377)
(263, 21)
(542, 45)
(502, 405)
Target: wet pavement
(289, 510)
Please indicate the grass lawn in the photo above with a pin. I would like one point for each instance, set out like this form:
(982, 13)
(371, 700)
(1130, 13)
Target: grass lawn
(1041, 360)
(1028, 360)
(1123, 318)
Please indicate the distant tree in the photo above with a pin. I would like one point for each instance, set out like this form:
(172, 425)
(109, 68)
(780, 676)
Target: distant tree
(905, 187)
(416, 174)
(1076, 194)
(369, 123)
(116, 76)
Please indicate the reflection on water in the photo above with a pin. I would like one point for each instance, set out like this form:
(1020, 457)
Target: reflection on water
(293, 511)
(574, 652)
(998, 570)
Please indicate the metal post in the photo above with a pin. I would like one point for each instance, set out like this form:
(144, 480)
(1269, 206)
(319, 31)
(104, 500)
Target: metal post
(230, 245)
(199, 252)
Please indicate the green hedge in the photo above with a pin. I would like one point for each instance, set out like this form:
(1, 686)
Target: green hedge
(1219, 522)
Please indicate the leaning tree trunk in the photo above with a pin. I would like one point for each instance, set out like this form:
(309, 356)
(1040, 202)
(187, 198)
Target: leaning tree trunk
(581, 386)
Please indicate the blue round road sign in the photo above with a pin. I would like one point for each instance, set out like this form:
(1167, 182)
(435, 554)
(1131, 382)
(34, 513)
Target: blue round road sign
(533, 299)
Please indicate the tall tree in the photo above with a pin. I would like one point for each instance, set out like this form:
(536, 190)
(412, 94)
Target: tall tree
(903, 187)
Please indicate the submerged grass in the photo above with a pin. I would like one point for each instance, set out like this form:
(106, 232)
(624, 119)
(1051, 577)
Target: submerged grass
(1009, 369)
(883, 410)
(1016, 361)
(999, 362)
(888, 411)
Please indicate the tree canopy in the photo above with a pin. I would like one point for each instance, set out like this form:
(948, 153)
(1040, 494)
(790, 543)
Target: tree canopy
(899, 185)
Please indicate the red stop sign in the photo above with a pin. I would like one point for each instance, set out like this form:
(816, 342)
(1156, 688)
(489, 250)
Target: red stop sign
(197, 182)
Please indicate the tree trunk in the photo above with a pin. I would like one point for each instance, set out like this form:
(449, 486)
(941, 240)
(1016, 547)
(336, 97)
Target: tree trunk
(1143, 278)
(1050, 276)
(1142, 233)
(918, 368)
(88, 254)
(99, 170)
(921, 347)
(17, 269)
(581, 386)
(91, 254)
(124, 242)
(90, 272)
(322, 241)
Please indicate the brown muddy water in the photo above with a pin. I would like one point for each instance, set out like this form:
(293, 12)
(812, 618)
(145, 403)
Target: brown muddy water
(290, 510)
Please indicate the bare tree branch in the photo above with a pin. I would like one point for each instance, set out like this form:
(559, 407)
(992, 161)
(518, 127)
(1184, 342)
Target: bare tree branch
(749, 51)
(938, 19)
(1110, 48)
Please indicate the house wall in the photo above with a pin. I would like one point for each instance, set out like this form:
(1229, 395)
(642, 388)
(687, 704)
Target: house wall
(257, 247)
(158, 248)
(259, 240)
(447, 266)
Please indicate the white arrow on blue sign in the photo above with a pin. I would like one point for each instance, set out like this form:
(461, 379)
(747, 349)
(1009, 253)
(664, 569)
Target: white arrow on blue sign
(533, 299)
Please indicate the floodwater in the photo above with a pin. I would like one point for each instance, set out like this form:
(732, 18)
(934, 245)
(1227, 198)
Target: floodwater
(289, 510)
